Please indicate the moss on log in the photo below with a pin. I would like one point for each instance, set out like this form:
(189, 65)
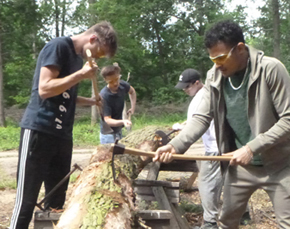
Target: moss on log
(99, 202)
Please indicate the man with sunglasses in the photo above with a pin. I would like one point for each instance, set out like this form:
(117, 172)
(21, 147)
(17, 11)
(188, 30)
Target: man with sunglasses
(46, 136)
(247, 95)
(114, 94)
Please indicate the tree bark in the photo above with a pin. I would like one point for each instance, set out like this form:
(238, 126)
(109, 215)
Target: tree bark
(97, 200)
(63, 13)
(56, 5)
(2, 113)
(276, 29)
(94, 113)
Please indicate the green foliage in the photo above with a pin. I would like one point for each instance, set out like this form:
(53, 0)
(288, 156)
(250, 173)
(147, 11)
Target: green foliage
(157, 39)
(163, 119)
(7, 183)
(9, 136)
(191, 207)
(165, 95)
(17, 81)
(84, 134)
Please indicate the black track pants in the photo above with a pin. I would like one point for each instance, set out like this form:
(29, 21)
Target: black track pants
(42, 158)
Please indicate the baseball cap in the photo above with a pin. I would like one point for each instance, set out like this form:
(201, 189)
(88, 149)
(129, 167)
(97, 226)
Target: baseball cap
(188, 76)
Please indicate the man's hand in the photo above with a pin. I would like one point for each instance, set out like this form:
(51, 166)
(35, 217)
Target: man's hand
(89, 71)
(97, 101)
(127, 123)
(241, 156)
(130, 111)
(177, 126)
(164, 154)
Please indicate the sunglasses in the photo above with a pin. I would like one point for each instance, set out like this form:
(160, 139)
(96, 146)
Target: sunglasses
(113, 80)
(222, 58)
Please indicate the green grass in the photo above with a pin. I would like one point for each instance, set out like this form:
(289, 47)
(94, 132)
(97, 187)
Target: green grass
(9, 136)
(84, 134)
(6, 181)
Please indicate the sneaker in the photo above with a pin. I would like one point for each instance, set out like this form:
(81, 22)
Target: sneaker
(246, 219)
(209, 225)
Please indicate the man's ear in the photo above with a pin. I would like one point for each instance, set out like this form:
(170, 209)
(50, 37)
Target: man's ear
(241, 46)
(93, 38)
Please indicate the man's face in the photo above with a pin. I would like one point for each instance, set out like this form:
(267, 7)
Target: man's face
(113, 82)
(192, 88)
(226, 58)
(100, 51)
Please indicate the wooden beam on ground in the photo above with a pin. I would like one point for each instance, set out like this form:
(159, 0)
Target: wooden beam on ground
(153, 171)
(164, 203)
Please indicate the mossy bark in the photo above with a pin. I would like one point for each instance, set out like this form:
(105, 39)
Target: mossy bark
(97, 201)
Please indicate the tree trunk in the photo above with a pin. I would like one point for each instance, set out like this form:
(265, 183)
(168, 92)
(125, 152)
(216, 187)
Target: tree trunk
(99, 202)
(2, 113)
(56, 5)
(276, 28)
(63, 13)
(94, 112)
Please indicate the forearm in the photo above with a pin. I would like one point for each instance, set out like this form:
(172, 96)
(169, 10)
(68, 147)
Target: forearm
(113, 122)
(53, 87)
(84, 101)
(192, 131)
(133, 98)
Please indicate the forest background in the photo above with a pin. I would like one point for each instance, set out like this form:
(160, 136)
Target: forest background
(158, 39)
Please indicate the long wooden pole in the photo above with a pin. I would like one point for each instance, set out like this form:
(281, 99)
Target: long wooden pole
(138, 152)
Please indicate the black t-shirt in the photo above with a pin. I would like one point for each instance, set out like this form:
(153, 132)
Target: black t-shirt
(54, 115)
(113, 103)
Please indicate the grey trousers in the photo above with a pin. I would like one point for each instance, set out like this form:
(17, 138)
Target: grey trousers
(210, 183)
(242, 181)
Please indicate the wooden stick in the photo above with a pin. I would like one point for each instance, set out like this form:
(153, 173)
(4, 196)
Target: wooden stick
(94, 80)
(106, 128)
(138, 152)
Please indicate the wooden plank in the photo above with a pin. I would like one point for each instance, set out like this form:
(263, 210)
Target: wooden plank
(152, 198)
(150, 183)
(154, 214)
(46, 216)
(179, 215)
(181, 166)
(164, 203)
(153, 171)
(147, 191)
(191, 180)
(158, 224)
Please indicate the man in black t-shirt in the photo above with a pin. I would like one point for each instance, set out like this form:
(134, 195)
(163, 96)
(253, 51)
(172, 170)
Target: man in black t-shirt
(113, 102)
(45, 149)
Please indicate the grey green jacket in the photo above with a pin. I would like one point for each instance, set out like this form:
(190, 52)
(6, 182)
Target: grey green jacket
(268, 113)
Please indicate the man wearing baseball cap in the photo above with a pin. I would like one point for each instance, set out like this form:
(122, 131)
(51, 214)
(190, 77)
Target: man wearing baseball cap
(209, 177)
(210, 180)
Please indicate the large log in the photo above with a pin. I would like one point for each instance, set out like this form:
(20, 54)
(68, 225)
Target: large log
(99, 202)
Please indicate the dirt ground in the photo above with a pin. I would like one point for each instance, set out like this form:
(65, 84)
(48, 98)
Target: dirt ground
(8, 168)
